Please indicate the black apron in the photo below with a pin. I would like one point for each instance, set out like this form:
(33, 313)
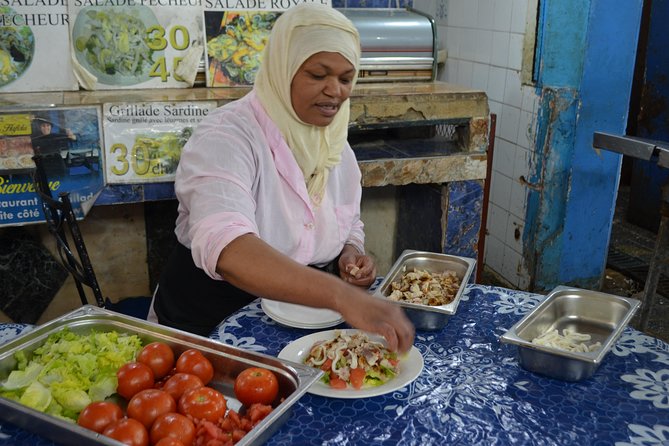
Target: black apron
(188, 299)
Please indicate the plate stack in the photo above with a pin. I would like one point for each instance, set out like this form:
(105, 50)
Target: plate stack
(300, 316)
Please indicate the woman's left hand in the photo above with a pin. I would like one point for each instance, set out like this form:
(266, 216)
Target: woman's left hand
(355, 268)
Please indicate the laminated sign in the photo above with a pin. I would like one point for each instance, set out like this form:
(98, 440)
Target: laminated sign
(135, 43)
(34, 47)
(236, 32)
(68, 140)
(143, 141)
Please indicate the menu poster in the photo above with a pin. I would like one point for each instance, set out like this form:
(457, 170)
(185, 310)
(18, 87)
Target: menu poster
(35, 47)
(68, 139)
(236, 32)
(143, 141)
(128, 44)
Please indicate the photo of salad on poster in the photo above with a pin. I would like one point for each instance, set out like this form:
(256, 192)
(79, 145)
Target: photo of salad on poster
(236, 34)
(143, 141)
(132, 45)
(69, 141)
(34, 36)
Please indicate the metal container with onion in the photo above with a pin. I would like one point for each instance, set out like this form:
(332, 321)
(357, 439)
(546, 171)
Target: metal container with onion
(602, 316)
(294, 379)
(428, 317)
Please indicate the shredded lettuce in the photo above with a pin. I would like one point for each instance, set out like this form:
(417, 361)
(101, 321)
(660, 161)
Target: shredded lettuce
(69, 371)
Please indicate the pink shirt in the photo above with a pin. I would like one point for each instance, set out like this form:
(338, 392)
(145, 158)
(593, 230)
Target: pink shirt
(238, 176)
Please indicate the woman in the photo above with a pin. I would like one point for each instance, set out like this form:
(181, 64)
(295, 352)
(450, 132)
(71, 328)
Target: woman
(268, 186)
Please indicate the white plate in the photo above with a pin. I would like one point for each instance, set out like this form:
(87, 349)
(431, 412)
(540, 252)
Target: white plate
(300, 316)
(411, 365)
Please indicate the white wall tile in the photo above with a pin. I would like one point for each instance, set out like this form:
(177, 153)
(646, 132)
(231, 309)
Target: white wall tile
(503, 11)
(483, 46)
(514, 228)
(486, 16)
(515, 61)
(518, 16)
(452, 43)
(496, 108)
(518, 203)
(510, 119)
(500, 191)
(480, 76)
(494, 253)
(521, 163)
(469, 13)
(500, 49)
(526, 129)
(456, 12)
(496, 84)
(468, 42)
(512, 93)
(530, 98)
(451, 71)
(497, 221)
(511, 262)
(504, 157)
(465, 73)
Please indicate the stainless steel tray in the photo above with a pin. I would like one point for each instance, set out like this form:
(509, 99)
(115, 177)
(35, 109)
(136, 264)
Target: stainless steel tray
(294, 379)
(601, 315)
(427, 317)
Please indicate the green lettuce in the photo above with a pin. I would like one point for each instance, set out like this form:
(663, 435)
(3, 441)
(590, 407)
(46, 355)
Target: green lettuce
(69, 371)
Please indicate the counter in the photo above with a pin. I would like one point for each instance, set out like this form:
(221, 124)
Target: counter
(471, 389)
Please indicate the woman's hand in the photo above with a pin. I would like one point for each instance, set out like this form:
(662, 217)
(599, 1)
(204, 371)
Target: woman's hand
(355, 268)
(379, 316)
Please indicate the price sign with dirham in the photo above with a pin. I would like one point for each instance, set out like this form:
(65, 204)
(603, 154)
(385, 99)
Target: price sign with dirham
(143, 141)
(135, 44)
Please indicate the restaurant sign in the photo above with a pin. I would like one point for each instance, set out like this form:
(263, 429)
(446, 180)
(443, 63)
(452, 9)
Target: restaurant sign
(68, 139)
(143, 141)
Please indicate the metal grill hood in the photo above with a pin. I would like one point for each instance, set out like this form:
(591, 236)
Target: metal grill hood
(397, 44)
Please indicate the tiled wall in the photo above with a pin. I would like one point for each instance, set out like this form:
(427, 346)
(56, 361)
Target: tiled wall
(484, 44)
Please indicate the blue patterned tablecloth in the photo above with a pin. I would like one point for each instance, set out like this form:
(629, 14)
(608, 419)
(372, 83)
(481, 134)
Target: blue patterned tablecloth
(471, 390)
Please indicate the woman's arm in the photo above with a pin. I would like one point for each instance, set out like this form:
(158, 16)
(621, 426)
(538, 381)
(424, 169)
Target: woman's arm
(252, 265)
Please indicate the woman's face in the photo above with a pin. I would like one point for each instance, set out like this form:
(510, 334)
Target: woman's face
(320, 86)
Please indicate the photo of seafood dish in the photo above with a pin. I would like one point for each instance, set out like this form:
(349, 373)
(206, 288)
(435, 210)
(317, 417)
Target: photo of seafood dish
(16, 152)
(17, 47)
(115, 44)
(235, 41)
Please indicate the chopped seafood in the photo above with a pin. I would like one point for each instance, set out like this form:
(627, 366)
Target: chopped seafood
(423, 287)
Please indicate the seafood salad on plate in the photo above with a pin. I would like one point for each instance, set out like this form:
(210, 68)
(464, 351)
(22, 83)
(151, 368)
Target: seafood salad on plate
(353, 360)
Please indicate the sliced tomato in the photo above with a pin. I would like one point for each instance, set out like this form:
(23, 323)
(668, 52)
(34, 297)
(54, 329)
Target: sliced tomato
(357, 377)
(327, 365)
(337, 383)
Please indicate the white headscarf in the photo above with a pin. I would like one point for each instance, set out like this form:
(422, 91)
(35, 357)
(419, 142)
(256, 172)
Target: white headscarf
(299, 33)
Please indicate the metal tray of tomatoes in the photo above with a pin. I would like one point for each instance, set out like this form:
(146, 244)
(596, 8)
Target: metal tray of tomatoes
(228, 361)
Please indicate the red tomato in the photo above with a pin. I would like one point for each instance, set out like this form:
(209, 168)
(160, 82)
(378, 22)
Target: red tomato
(133, 377)
(337, 383)
(159, 357)
(178, 383)
(98, 415)
(257, 412)
(194, 362)
(169, 441)
(128, 431)
(357, 377)
(256, 385)
(173, 425)
(203, 403)
(147, 404)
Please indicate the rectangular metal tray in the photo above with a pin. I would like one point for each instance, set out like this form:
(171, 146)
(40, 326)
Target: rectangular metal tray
(427, 317)
(294, 379)
(601, 315)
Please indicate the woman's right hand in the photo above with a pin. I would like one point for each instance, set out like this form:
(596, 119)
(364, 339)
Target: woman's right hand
(375, 315)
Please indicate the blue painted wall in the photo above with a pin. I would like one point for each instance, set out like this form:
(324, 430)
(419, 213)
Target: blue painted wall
(584, 75)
